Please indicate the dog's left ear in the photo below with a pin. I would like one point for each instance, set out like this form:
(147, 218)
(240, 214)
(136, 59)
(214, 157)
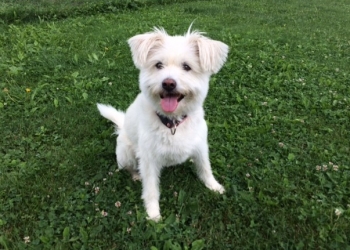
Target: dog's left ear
(142, 45)
(212, 54)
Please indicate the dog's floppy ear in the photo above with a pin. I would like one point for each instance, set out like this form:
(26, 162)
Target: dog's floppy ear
(212, 54)
(142, 45)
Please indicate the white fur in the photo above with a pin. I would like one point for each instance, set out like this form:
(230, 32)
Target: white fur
(117, 117)
(144, 144)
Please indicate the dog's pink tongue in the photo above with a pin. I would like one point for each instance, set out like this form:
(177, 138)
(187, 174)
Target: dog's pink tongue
(169, 103)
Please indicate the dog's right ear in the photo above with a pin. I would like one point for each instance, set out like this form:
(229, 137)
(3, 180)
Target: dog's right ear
(212, 54)
(142, 45)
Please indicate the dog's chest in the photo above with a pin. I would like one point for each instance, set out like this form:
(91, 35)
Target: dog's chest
(172, 149)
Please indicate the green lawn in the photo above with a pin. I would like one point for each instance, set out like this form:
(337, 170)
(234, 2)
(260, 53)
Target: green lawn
(278, 115)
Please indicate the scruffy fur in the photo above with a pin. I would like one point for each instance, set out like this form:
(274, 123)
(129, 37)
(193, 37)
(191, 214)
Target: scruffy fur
(144, 144)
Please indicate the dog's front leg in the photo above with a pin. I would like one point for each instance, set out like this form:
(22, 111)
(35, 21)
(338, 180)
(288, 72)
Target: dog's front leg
(205, 174)
(149, 172)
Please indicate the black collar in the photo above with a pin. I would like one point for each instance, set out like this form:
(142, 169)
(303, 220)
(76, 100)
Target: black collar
(171, 123)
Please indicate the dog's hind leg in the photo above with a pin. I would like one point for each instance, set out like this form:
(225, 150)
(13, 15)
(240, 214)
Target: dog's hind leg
(135, 175)
(126, 157)
(131, 168)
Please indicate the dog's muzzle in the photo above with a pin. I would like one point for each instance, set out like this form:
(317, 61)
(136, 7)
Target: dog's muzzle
(170, 98)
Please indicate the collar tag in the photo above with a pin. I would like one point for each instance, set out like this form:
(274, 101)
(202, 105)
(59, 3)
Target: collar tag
(173, 129)
(171, 124)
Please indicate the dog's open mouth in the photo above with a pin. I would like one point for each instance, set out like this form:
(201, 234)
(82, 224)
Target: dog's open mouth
(169, 101)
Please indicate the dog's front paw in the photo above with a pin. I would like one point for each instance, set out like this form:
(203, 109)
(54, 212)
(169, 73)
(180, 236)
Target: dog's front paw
(153, 215)
(220, 189)
(153, 211)
(156, 218)
(216, 187)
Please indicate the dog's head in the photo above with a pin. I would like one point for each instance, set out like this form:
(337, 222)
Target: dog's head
(175, 70)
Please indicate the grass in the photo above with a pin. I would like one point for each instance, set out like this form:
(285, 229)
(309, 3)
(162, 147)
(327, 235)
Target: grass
(28, 11)
(278, 116)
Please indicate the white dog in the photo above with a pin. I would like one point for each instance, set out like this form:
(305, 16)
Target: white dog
(165, 124)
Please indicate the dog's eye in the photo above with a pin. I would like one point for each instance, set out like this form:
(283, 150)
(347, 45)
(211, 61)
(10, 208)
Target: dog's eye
(186, 67)
(159, 65)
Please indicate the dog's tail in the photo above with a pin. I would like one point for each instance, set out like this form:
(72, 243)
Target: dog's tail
(116, 116)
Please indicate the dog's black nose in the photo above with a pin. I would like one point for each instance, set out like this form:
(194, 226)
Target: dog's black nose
(169, 84)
